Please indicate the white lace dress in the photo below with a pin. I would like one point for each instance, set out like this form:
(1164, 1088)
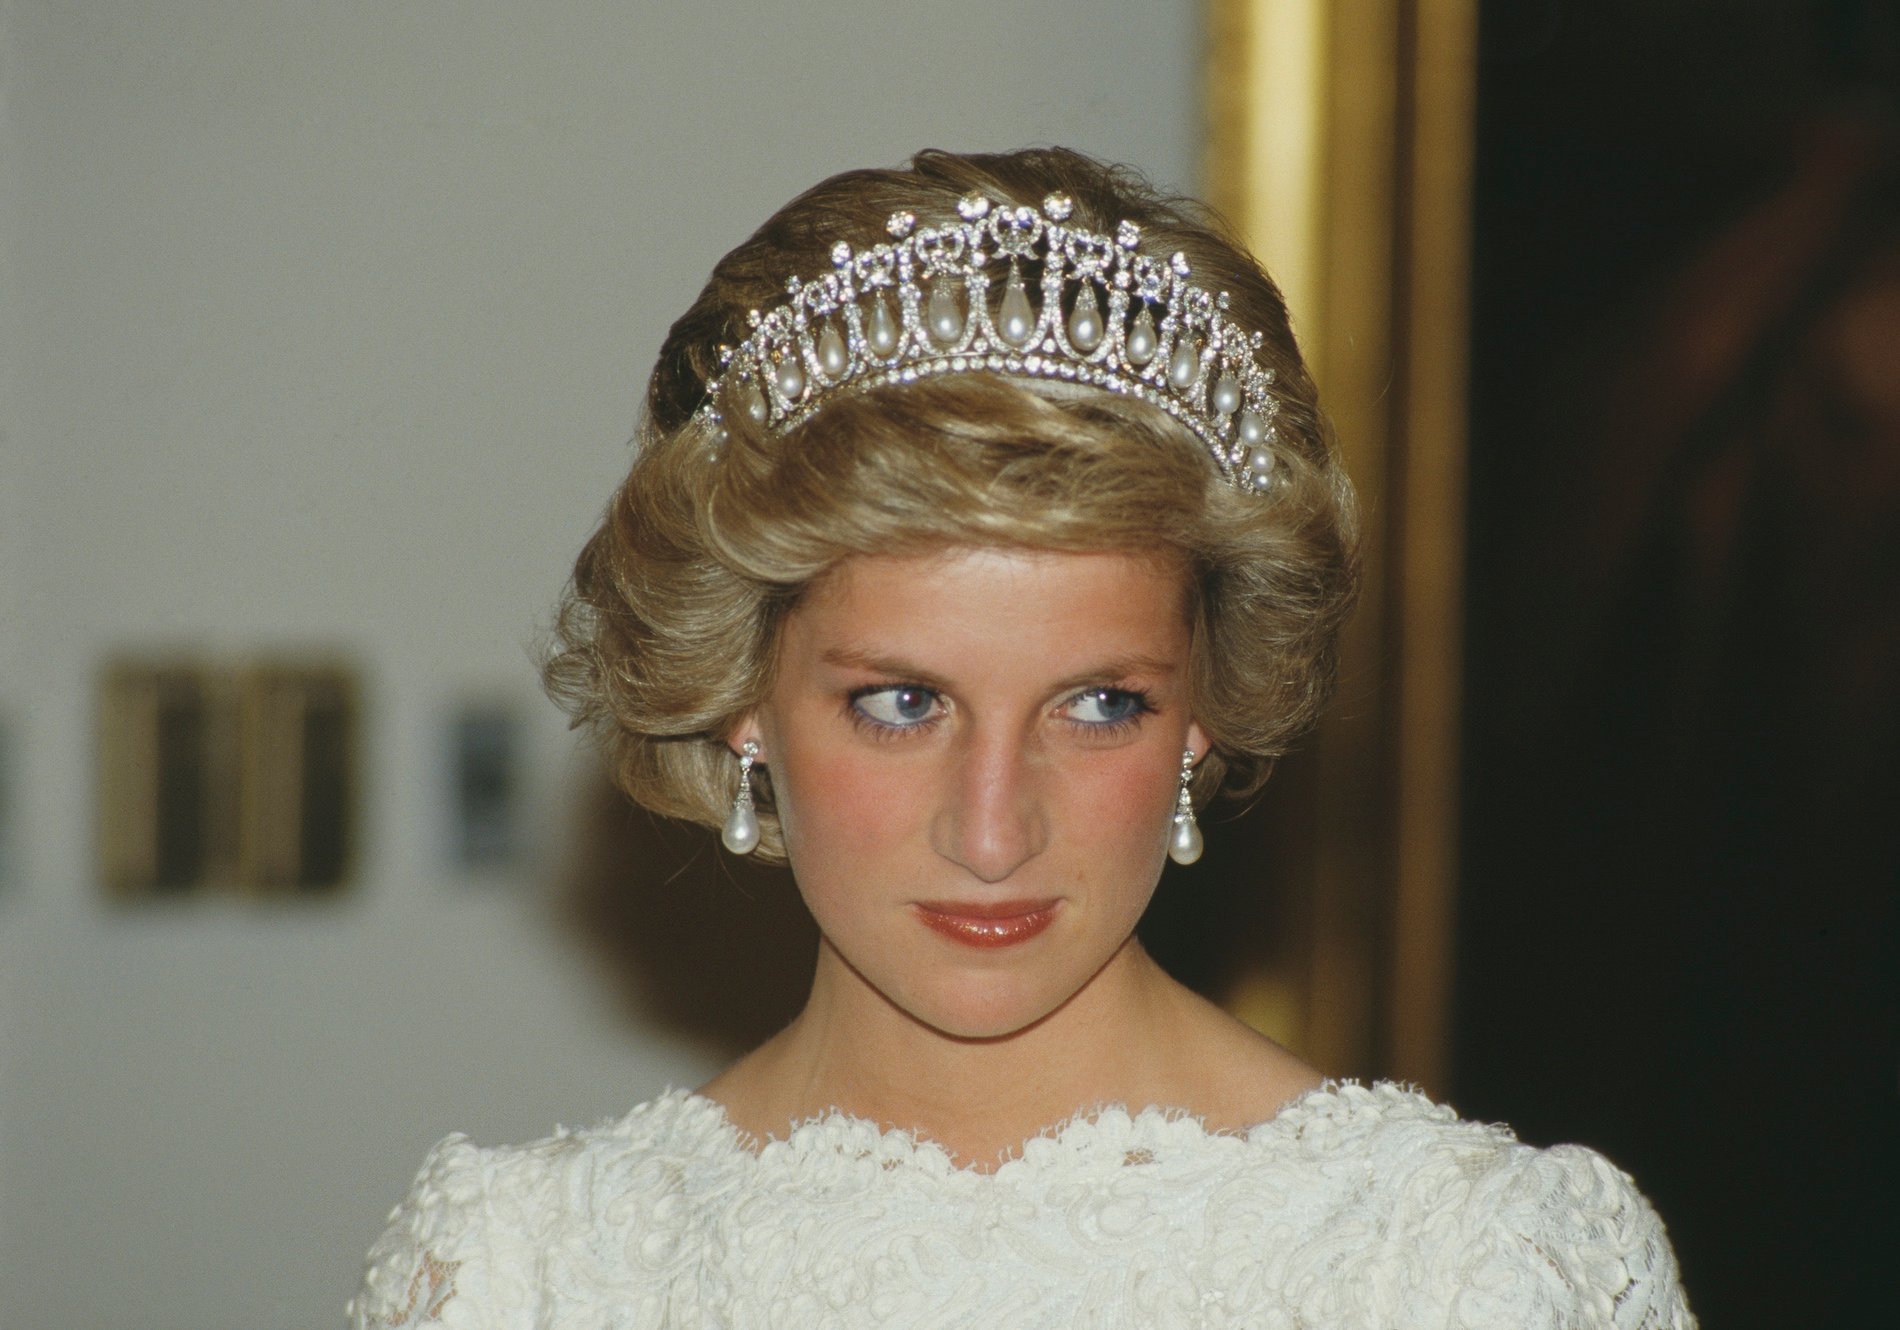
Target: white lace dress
(1351, 1207)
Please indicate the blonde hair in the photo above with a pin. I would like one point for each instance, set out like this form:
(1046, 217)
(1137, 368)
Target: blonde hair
(668, 633)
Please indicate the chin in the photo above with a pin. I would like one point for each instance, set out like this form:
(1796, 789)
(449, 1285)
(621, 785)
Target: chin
(973, 1015)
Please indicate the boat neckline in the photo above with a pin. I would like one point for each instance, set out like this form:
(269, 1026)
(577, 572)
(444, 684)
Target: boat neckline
(1089, 1131)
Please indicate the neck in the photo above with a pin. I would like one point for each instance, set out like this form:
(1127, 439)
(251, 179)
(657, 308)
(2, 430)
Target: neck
(853, 1050)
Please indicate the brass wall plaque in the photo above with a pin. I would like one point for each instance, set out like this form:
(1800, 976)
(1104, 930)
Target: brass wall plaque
(219, 777)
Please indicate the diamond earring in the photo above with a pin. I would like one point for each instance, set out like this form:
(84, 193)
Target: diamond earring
(741, 833)
(1184, 840)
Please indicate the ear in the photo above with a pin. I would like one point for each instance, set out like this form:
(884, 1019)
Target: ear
(1197, 740)
(748, 728)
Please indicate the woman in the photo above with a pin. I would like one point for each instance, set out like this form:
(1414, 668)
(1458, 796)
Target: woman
(1004, 531)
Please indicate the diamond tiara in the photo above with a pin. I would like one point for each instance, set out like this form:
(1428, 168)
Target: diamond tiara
(839, 332)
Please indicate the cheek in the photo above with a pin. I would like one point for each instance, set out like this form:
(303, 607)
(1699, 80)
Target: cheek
(1131, 781)
(1118, 810)
(1132, 788)
(837, 809)
(843, 807)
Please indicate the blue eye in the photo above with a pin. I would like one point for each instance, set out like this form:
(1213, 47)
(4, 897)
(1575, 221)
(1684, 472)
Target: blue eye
(1107, 706)
(900, 707)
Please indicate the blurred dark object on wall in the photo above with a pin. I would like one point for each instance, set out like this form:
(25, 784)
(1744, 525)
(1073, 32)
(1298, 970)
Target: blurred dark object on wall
(226, 776)
(1681, 852)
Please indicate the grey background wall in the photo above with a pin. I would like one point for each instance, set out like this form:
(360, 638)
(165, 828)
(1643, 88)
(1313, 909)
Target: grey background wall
(322, 323)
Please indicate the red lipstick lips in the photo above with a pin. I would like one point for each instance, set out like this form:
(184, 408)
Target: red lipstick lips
(980, 924)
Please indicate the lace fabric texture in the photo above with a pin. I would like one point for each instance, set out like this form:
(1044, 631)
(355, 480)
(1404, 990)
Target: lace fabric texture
(1354, 1206)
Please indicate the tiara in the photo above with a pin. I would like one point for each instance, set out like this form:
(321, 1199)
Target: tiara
(919, 306)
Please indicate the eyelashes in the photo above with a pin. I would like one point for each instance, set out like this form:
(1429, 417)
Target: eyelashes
(1111, 706)
(890, 711)
(895, 707)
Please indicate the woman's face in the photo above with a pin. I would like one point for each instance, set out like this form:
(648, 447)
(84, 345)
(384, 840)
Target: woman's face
(975, 756)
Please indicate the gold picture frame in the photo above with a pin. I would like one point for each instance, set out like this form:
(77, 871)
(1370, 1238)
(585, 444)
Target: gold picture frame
(1340, 145)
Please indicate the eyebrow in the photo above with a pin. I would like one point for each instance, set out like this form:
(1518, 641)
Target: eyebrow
(895, 667)
(874, 662)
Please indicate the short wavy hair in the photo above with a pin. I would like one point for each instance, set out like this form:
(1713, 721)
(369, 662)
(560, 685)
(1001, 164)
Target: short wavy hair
(667, 636)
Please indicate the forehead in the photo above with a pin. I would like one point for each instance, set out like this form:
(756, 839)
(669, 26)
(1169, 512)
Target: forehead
(983, 600)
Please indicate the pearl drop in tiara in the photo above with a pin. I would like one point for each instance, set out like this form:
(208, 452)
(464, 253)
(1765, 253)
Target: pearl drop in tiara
(919, 306)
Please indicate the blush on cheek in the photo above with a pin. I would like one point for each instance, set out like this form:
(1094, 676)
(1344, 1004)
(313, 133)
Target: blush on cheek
(842, 807)
(1129, 801)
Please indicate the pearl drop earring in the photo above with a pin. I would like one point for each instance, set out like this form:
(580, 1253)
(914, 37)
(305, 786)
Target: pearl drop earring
(741, 833)
(1184, 839)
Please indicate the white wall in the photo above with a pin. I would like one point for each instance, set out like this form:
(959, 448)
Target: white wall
(323, 323)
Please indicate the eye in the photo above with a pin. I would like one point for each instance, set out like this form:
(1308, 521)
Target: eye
(1107, 706)
(898, 707)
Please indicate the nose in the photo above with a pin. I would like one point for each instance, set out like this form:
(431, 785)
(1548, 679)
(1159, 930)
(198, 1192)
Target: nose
(992, 819)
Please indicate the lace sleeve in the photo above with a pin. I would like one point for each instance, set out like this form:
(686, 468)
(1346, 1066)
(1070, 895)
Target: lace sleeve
(432, 1266)
(1594, 1253)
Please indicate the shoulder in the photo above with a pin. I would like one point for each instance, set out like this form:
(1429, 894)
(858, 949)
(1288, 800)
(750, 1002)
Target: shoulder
(467, 1246)
(1503, 1232)
(433, 1248)
(1591, 1237)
